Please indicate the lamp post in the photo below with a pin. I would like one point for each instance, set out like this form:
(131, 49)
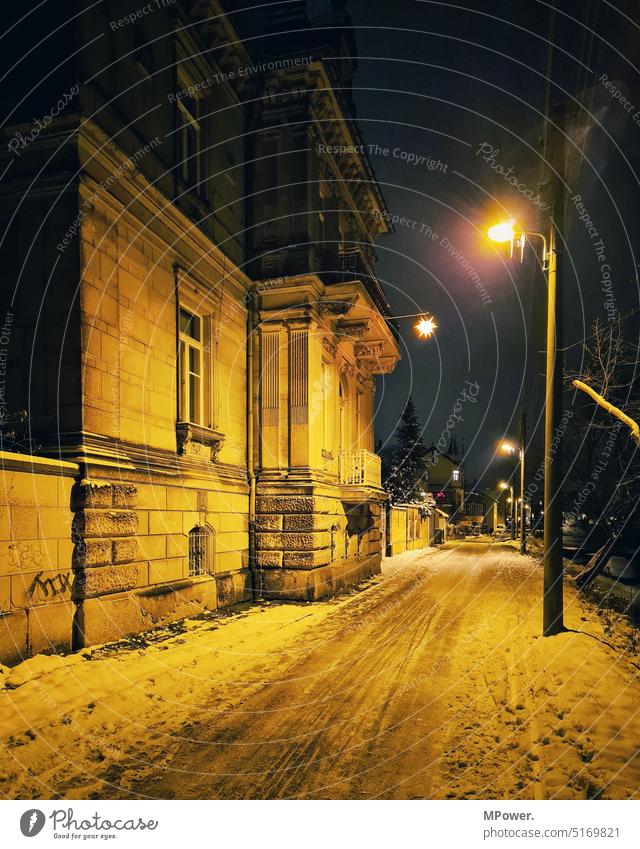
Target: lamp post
(510, 501)
(510, 448)
(552, 606)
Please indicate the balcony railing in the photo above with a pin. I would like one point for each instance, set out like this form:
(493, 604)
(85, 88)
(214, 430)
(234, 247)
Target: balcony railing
(360, 468)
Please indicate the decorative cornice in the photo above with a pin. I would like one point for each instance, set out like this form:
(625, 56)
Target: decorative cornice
(353, 329)
(337, 306)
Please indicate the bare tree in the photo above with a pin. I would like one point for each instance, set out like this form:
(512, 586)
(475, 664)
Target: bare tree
(603, 462)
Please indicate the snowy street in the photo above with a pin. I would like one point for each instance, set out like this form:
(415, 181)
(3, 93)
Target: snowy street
(430, 681)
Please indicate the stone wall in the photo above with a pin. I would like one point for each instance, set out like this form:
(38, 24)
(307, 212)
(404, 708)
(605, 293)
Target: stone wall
(36, 555)
(408, 529)
(86, 561)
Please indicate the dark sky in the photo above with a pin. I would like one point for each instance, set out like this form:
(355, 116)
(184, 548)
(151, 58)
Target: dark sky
(440, 80)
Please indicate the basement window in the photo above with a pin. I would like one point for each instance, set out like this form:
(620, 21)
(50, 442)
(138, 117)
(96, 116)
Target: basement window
(200, 551)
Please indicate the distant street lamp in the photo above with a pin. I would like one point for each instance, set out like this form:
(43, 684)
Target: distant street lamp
(510, 448)
(511, 501)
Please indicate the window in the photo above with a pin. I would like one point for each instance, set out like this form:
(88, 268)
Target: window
(189, 143)
(456, 476)
(191, 368)
(200, 551)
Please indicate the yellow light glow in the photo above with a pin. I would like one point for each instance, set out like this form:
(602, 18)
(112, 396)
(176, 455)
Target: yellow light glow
(426, 327)
(503, 232)
(503, 485)
(508, 447)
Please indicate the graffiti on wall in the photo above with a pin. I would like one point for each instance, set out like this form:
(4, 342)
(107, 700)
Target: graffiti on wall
(51, 586)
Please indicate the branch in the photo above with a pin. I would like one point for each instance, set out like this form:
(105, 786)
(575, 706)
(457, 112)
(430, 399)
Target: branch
(633, 426)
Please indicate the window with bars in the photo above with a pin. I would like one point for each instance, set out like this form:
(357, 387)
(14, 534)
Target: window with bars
(200, 552)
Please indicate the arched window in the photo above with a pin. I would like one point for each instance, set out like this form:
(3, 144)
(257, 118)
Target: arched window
(201, 551)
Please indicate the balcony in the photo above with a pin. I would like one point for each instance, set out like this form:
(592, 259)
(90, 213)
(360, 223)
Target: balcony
(360, 468)
(353, 264)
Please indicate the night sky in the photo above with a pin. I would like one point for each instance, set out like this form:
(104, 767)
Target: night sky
(440, 81)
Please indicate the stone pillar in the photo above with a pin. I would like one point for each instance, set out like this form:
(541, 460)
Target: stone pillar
(299, 394)
(293, 541)
(269, 382)
(104, 529)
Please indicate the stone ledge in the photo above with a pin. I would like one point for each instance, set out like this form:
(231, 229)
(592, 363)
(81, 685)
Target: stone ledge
(13, 637)
(51, 628)
(100, 620)
(313, 584)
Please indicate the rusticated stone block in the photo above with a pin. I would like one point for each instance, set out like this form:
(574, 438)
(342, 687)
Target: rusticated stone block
(94, 552)
(106, 523)
(306, 559)
(124, 550)
(269, 559)
(108, 579)
(292, 541)
(88, 494)
(294, 504)
(307, 522)
(125, 495)
(269, 522)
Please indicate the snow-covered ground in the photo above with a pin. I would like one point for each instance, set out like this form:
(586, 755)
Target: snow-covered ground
(431, 680)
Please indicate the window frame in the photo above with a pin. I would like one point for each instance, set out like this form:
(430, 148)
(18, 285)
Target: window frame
(188, 343)
(201, 551)
(190, 122)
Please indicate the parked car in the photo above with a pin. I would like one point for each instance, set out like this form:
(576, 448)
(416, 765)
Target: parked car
(623, 561)
(475, 531)
(580, 539)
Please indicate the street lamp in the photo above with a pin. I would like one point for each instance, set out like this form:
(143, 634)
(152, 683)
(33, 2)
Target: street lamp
(508, 231)
(510, 448)
(510, 500)
(426, 327)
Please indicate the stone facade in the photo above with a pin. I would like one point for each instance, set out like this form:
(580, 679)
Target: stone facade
(203, 430)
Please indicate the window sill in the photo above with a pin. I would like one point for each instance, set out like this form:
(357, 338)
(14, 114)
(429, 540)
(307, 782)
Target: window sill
(197, 441)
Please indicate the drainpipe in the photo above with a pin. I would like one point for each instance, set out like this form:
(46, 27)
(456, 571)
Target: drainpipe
(176, 294)
(251, 326)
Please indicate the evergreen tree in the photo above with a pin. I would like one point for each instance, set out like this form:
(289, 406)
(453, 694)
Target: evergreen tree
(407, 465)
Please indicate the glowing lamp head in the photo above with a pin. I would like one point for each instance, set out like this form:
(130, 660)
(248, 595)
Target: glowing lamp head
(503, 485)
(426, 327)
(507, 447)
(503, 232)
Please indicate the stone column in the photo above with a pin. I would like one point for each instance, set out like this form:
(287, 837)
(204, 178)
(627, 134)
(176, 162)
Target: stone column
(299, 393)
(104, 531)
(270, 408)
